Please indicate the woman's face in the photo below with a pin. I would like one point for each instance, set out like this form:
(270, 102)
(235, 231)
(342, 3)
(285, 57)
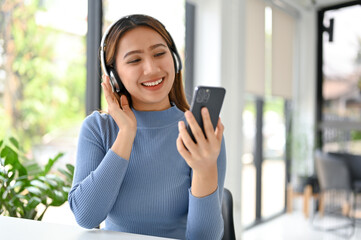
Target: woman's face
(145, 65)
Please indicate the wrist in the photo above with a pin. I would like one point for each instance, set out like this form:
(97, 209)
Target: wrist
(123, 144)
(205, 182)
(127, 133)
(206, 174)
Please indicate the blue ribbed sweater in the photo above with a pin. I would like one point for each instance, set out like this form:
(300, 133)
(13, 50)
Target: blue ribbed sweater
(149, 194)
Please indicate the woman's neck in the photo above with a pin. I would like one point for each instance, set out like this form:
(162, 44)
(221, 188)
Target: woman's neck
(152, 106)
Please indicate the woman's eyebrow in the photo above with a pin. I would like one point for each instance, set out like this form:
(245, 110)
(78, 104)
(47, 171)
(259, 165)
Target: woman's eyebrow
(157, 45)
(141, 51)
(132, 52)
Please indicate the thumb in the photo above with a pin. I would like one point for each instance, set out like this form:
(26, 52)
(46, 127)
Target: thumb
(124, 103)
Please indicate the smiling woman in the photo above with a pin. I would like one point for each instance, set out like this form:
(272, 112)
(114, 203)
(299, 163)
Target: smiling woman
(171, 14)
(147, 73)
(137, 167)
(134, 47)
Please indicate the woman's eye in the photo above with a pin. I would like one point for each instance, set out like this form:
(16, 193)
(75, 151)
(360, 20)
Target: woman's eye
(134, 60)
(159, 54)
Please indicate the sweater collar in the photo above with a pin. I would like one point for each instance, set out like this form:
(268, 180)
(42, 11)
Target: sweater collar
(158, 119)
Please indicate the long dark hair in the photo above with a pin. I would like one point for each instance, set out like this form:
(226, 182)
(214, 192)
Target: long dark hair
(176, 94)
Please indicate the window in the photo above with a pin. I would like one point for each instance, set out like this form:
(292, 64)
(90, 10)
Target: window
(42, 76)
(340, 78)
(269, 79)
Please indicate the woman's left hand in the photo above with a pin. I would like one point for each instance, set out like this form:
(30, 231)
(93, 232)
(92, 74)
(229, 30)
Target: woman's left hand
(201, 156)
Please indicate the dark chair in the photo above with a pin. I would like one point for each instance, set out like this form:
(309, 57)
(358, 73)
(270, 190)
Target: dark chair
(335, 186)
(354, 165)
(332, 172)
(227, 212)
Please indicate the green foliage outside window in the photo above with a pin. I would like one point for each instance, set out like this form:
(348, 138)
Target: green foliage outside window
(41, 93)
(356, 135)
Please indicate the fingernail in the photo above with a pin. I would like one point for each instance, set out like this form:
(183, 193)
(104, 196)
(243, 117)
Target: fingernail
(187, 113)
(180, 124)
(204, 110)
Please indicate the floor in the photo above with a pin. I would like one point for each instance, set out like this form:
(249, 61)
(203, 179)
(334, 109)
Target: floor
(294, 226)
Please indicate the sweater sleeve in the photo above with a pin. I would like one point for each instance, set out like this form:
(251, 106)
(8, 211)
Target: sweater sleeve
(205, 221)
(99, 173)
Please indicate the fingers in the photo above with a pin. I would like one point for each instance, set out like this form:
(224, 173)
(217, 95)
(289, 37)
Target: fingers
(106, 85)
(185, 137)
(183, 151)
(195, 128)
(207, 123)
(124, 103)
(219, 130)
(211, 133)
(108, 93)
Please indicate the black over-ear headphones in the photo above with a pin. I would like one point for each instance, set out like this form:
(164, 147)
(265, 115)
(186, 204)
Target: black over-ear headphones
(115, 81)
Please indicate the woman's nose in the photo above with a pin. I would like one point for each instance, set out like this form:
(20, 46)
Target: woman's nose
(150, 66)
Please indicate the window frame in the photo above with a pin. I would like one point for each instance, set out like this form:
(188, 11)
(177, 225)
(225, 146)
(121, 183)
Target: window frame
(320, 122)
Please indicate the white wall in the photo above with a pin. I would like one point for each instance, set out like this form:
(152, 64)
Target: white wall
(207, 43)
(233, 79)
(219, 51)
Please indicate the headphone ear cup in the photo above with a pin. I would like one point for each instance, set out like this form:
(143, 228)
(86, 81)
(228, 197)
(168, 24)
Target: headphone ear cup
(176, 62)
(115, 81)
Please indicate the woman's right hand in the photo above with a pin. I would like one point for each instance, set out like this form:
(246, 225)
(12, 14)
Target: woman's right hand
(123, 116)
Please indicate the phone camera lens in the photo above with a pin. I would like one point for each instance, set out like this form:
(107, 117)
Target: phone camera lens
(200, 95)
(207, 95)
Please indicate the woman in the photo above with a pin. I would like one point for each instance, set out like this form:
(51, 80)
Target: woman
(137, 167)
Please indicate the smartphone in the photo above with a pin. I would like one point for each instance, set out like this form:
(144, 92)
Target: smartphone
(210, 97)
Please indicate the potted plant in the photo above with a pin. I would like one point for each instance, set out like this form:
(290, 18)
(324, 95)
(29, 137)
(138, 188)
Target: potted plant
(27, 189)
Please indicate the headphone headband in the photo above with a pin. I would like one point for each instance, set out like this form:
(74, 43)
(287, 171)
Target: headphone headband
(102, 48)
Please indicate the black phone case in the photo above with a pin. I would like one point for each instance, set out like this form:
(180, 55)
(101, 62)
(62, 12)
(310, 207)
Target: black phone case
(210, 97)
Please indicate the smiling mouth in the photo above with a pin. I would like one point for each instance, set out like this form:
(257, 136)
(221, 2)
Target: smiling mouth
(152, 84)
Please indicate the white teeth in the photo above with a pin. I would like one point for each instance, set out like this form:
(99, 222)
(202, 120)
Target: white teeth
(151, 84)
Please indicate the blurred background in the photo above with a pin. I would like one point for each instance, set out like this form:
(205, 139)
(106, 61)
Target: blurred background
(291, 68)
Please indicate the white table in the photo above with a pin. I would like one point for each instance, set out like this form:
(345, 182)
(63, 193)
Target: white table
(19, 229)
